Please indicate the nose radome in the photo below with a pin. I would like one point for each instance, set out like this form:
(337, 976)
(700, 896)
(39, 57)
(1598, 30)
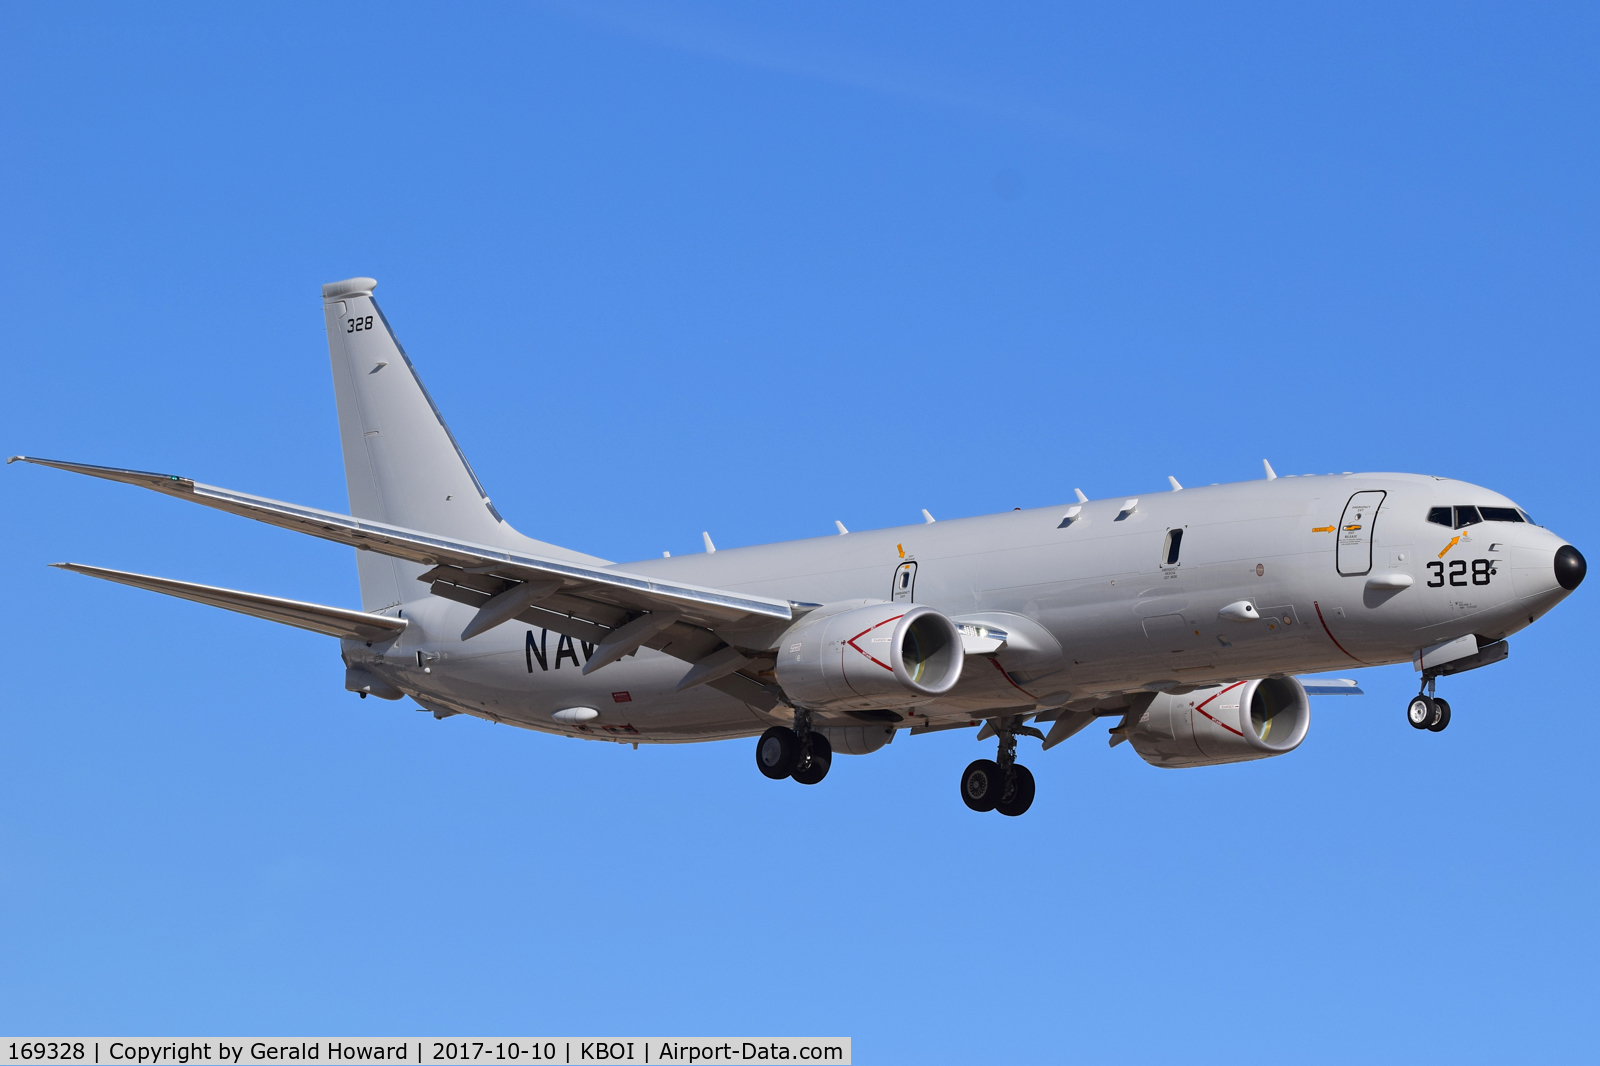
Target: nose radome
(1570, 567)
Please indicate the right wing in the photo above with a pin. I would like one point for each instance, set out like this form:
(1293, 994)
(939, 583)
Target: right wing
(585, 601)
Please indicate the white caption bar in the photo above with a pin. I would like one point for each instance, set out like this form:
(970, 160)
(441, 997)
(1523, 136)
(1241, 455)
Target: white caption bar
(455, 1051)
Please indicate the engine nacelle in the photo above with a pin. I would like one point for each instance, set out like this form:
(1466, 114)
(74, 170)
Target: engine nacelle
(857, 739)
(1224, 723)
(865, 655)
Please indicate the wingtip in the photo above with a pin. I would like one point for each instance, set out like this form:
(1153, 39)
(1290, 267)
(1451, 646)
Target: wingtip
(146, 478)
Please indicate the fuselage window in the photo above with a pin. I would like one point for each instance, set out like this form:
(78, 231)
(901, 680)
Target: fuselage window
(1467, 516)
(1174, 542)
(905, 579)
(1500, 514)
(1441, 516)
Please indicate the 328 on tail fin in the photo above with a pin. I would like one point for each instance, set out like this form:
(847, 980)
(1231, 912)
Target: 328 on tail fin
(402, 464)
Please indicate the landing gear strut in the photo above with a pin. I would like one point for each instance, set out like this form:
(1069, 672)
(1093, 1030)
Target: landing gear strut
(1427, 711)
(801, 753)
(1001, 784)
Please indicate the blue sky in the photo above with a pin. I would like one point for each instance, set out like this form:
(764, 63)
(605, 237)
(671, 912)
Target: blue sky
(669, 268)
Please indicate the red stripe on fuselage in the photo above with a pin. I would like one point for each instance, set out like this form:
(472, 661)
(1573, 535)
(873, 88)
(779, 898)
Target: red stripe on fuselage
(1331, 637)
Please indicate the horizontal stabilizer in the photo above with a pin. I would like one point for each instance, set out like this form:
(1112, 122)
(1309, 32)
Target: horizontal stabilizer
(332, 621)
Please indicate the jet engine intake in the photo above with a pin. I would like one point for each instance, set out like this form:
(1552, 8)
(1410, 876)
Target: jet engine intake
(864, 655)
(1222, 724)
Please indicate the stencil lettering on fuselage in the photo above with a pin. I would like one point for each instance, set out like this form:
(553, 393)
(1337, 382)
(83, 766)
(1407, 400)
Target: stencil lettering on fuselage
(1354, 552)
(566, 648)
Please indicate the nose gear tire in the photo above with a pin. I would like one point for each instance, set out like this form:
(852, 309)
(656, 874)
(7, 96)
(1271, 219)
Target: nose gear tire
(1420, 712)
(1019, 797)
(981, 785)
(1442, 719)
(821, 760)
(777, 751)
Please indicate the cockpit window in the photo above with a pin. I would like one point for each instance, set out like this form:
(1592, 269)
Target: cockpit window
(1527, 518)
(1460, 517)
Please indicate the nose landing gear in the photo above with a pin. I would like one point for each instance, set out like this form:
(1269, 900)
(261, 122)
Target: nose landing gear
(801, 753)
(1427, 711)
(1001, 784)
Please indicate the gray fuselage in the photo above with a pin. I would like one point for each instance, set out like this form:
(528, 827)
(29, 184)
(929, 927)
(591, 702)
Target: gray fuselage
(1092, 609)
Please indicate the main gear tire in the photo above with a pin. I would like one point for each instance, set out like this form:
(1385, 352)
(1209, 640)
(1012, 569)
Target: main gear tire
(821, 760)
(1018, 797)
(777, 751)
(982, 783)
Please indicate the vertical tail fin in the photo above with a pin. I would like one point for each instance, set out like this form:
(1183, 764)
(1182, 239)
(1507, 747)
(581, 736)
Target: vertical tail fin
(402, 465)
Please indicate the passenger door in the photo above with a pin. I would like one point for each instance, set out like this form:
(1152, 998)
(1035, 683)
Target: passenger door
(1355, 533)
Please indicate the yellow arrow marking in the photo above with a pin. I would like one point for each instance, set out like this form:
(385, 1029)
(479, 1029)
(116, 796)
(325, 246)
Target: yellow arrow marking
(1453, 542)
(1322, 529)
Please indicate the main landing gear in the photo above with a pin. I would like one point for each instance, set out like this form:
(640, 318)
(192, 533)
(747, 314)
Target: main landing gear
(1001, 784)
(1427, 711)
(801, 753)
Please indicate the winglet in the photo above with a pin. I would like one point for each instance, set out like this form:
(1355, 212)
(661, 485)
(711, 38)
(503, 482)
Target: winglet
(1272, 475)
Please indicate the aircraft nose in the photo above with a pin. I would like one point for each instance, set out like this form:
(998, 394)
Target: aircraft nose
(1570, 567)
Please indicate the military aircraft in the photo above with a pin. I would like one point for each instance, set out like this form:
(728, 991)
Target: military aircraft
(1184, 616)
